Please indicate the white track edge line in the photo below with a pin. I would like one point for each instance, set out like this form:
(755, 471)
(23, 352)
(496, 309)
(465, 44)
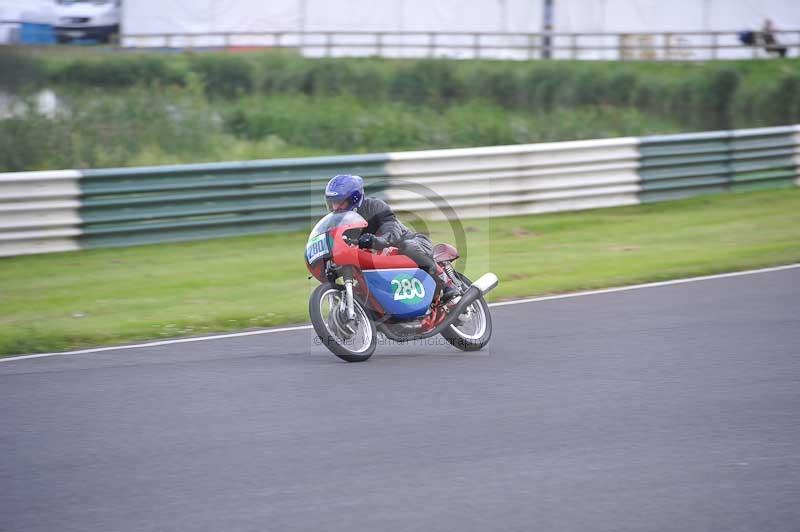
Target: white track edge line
(645, 285)
(158, 343)
(497, 304)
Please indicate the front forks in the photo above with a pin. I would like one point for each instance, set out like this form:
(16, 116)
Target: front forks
(346, 304)
(345, 317)
(348, 301)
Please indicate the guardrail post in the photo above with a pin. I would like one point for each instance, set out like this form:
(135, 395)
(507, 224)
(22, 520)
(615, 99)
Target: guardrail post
(574, 46)
(431, 44)
(621, 46)
(714, 45)
(476, 44)
(328, 44)
(379, 45)
(667, 45)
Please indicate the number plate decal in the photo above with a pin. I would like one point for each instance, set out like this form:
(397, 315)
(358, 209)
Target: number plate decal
(408, 289)
(317, 248)
(401, 292)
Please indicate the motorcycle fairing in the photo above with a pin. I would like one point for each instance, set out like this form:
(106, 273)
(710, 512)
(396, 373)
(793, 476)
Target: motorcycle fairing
(402, 292)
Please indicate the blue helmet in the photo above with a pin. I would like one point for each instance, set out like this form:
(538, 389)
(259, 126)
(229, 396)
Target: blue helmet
(344, 193)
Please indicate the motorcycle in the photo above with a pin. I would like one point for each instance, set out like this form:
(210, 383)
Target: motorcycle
(363, 292)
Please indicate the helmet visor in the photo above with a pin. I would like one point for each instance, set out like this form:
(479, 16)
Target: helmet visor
(338, 205)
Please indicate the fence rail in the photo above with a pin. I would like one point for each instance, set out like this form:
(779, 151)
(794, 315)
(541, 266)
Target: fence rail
(513, 180)
(158, 204)
(70, 209)
(664, 46)
(679, 166)
(620, 46)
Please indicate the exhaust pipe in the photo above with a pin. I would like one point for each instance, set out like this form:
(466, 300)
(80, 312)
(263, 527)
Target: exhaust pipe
(485, 284)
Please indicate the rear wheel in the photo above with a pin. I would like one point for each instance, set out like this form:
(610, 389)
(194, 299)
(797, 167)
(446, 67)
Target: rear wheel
(473, 329)
(352, 342)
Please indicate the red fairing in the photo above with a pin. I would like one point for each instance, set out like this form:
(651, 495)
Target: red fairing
(345, 254)
(444, 252)
(351, 255)
(317, 270)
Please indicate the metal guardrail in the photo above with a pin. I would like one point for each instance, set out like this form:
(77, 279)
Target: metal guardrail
(144, 205)
(66, 210)
(679, 166)
(71, 209)
(514, 180)
(620, 46)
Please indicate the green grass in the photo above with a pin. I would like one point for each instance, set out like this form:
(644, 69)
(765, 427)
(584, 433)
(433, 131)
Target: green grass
(110, 296)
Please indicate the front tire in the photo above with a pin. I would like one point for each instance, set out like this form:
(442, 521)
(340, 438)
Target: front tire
(328, 323)
(475, 332)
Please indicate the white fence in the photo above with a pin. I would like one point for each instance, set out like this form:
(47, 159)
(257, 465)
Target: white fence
(667, 46)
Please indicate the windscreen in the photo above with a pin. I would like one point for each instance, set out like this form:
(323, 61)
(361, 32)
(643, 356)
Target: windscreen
(335, 219)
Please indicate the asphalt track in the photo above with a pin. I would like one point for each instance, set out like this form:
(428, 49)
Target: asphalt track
(667, 408)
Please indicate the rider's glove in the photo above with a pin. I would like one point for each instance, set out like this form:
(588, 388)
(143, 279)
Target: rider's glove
(365, 241)
(370, 241)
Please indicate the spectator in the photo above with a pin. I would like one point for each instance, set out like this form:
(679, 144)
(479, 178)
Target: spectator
(771, 44)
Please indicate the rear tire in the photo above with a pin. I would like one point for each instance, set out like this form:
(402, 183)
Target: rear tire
(328, 333)
(478, 339)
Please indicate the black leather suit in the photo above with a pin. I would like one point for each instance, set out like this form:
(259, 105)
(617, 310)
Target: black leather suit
(383, 223)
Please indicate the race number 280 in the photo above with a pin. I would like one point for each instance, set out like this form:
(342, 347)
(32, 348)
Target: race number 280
(408, 289)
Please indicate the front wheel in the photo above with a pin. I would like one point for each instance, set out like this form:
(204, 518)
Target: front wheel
(473, 329)
(352, 342)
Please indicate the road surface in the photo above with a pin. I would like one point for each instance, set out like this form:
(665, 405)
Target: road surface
(666, 408)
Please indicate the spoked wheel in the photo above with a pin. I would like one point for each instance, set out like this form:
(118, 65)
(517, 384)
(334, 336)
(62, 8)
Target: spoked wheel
(351, 341)
(473, 329)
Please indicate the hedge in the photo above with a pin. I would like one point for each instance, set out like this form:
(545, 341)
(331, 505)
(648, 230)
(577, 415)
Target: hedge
(709, 95)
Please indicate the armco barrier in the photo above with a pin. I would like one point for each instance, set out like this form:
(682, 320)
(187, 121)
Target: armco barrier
(39, 212)
(159, 204)
(797, 154)
(679, 166)
(508, 180)
(71, 209)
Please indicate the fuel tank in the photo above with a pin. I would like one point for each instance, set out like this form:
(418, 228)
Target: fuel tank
(402, 292)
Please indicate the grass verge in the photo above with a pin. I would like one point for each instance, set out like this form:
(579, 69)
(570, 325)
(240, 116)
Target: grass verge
(111, 296)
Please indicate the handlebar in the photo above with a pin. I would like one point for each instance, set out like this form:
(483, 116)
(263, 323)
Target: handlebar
(354, 242)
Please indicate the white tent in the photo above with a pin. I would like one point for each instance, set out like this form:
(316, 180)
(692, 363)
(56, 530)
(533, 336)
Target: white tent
(182, 16)
(177, 17)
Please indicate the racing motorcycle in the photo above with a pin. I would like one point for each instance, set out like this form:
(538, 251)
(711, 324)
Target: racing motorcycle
(363, 292)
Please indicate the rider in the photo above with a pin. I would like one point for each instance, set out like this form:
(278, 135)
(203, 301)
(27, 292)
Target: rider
(346, 193)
